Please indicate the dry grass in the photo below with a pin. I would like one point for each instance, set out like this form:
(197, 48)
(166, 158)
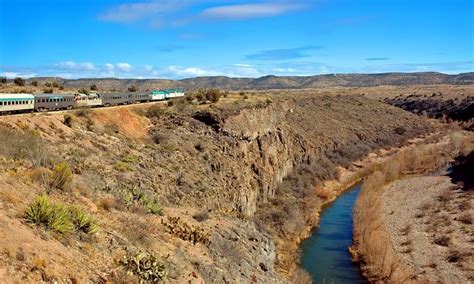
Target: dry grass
(372, 243)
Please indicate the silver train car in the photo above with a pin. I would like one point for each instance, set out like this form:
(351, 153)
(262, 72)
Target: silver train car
(15, 103)
(46, 102)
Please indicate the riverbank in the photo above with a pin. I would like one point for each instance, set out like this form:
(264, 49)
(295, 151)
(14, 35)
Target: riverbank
(406, 223)
(329, 191)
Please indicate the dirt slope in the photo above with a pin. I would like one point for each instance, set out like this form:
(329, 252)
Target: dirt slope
(211, 191)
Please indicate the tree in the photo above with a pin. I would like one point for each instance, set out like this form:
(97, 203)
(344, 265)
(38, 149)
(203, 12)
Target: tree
(19, 81)
(93, 87)
(34, 83)
(132, 89)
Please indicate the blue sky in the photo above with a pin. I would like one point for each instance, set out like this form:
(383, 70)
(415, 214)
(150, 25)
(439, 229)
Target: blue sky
(187, 38)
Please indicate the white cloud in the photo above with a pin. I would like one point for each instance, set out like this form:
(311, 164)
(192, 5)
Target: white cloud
(137, 11)
(72, 65)
(110, 67)
(190, 71)
(124, 67)
(249, 11)
(11, 75)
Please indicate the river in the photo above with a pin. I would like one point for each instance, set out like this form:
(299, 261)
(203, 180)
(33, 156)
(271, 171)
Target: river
(325, 254)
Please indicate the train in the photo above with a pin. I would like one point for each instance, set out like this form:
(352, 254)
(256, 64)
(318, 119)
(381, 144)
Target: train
(20, 103)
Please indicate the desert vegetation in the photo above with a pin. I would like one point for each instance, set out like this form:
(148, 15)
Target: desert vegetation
(210, 187)
(374, 237)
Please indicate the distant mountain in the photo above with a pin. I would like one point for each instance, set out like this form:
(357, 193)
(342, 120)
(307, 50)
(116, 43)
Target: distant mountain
(272, 82)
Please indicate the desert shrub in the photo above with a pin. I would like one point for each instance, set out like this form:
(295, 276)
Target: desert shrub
(82, 221)
(184, 231)
(83, 91)
(3, 80)
(155, 111)
(26, 145)
(107, 203)
(199, 147)
(41, 175)
(400, 130)
(242, 93)
(61, 176)
(59, 218)
(151, 204)
(122, 166)
(48, 84)
(61, 87)
(19, 81)
(94, 88)
(34, 83)
(170, 103)
(132, 196)
(213, 95)
(53, 217)
(245, 97)
(201, 216)
(146, 266)
(55, 85)
(48, 91)
(132, 89)
(159, 138)
(68, 120)
(200, 96)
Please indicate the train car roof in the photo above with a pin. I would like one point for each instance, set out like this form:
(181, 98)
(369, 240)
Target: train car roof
(54, 95)
(16, 96)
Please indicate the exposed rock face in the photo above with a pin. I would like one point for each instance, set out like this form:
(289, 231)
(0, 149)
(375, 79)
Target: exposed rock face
(248, 151)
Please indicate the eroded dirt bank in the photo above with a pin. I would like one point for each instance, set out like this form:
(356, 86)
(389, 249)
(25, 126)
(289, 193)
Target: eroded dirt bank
(213, 193)
(415, 228)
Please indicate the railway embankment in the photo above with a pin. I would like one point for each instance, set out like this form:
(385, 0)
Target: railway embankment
(412, 223)
(205, 192)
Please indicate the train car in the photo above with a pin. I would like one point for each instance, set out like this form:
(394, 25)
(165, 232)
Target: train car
(90, 100)
(159, 95)
(116, 99)
(12, 103)
(173, 93)
(47, 102)
(165, 94)
(141, 97)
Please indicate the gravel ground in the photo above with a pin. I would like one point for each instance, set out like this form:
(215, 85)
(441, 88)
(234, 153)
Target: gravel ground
(429, 221)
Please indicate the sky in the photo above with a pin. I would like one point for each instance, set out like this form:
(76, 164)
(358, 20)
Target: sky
(174, 39)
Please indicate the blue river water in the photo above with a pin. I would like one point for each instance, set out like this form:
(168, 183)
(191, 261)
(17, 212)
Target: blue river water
(325, 254)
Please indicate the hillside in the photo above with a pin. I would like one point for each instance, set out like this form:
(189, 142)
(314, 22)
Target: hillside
(203, 192)
(270, 82)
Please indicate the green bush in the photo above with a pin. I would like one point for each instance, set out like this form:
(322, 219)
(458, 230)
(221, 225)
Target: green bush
(59, 218)
(68, 120)
(82, 221)
(122, 166)
(19, 81)
(53, 217)
(61, 176)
